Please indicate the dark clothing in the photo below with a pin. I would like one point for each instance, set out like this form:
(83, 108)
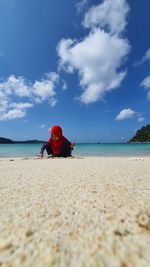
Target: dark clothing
(65, 150)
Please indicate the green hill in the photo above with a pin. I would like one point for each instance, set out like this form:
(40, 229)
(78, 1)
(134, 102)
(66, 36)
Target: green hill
(9, 141)
(142, 135)
(5, 141)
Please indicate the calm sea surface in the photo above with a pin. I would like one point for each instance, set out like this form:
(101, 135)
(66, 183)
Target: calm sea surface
(25, 150)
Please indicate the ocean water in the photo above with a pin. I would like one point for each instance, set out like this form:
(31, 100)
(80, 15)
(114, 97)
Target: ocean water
(26, 150)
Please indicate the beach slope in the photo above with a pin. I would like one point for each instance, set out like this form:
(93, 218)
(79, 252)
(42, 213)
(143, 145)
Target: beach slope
(79, 212)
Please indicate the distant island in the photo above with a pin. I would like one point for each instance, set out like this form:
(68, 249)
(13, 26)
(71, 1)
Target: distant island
(142, 135)
(9, 141)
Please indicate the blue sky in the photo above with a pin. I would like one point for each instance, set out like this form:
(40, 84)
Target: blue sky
(84, 65)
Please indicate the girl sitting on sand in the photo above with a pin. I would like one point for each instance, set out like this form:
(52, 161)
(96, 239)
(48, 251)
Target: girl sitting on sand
(57, 145)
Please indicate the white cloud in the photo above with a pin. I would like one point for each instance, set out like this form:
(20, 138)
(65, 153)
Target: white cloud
(38, 91)
(44, 89)
(3, 105)
(140, 119)
(13, 110)
(147, 55)
(146, 82)
(80, 6)
(64, 87)
(100, 55)
(17, 86)
(129, 114)
(148, 95)
(42, 126)
(12, 114)
(110, 15)
(98, 67)
(52, 76)
(21, 105)
(52, 101)
(3, 101)
(145, 58)
(126, 114)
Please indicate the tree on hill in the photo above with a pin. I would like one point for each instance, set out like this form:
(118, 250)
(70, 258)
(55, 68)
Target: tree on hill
(9, 141)
(142, 135)
(5, 140)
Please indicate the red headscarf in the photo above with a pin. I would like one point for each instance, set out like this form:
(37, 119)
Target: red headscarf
(56, 145)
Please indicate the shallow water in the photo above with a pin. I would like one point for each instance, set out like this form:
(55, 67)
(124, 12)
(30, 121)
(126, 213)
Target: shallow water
(25, 150)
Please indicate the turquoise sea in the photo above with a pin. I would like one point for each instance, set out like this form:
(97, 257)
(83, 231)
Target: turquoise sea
(25, 150)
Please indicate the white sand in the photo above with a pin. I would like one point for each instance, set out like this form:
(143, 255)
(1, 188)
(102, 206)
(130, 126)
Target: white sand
(90, 212)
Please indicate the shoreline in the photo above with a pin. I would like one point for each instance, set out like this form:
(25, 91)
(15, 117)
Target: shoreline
(76, 157)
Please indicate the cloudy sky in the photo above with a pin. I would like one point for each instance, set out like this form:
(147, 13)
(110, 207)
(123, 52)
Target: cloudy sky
(84, 65)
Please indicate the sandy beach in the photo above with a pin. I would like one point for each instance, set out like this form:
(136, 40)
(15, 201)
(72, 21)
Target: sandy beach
(76, 212)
